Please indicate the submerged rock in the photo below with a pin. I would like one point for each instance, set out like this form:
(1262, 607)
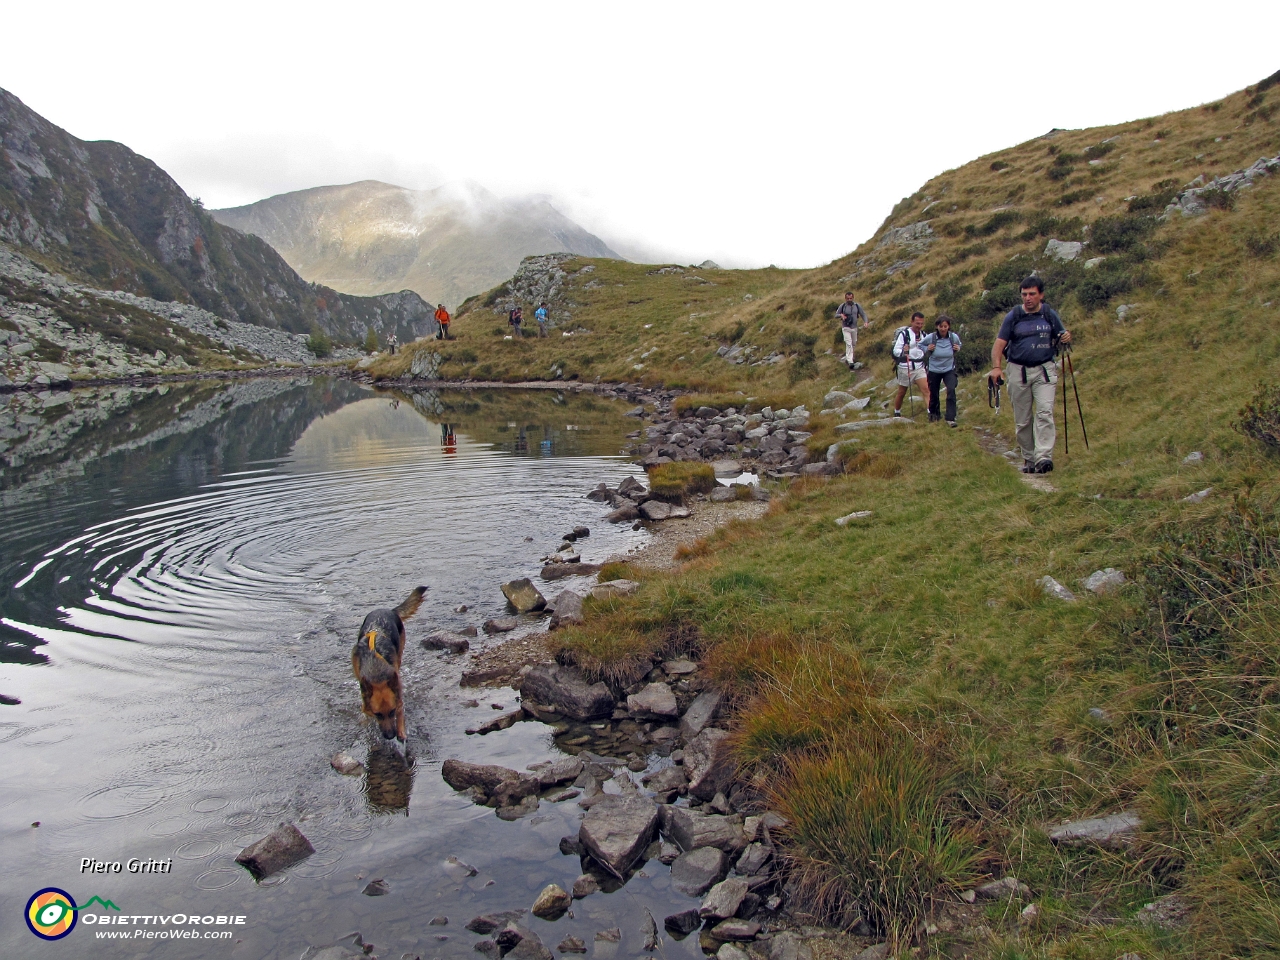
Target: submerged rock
(346, 764)
(281, 848)
(444, 640)
(500, 625)
(683, 923)
(551, 903)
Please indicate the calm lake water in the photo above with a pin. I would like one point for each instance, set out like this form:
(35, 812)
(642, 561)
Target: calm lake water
(183, 572)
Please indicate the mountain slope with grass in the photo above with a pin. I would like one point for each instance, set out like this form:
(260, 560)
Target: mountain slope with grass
(105, 216)
(903, 686)
(445, 244)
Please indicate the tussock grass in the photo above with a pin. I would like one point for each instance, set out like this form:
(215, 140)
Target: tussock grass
(675, 481)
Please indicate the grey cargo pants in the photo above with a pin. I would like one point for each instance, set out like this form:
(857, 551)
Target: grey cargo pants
(1033, 408)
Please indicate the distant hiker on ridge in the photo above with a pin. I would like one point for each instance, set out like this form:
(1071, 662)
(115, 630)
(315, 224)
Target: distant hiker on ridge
(514, 319)
(848, 313)
(541, 316)
(1030, 335)
(442, 318)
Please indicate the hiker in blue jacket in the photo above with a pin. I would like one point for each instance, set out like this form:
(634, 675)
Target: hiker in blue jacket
(1030, 335)
(940, 358)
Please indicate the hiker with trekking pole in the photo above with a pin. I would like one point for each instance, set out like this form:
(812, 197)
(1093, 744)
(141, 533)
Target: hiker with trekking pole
(1030, 337)
(909, 352)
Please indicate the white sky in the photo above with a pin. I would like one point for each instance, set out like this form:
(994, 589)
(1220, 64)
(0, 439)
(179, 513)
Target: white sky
(750, 133)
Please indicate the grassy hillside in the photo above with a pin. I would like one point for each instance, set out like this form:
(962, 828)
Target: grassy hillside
(903, 688)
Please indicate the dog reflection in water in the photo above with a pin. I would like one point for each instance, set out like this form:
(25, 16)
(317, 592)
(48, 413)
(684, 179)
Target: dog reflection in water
(388, 781)
(375, 660)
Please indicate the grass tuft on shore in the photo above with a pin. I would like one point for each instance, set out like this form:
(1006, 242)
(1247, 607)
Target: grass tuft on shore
(675, 481)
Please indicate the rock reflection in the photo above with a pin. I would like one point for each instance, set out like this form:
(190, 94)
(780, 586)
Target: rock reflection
(389, 780)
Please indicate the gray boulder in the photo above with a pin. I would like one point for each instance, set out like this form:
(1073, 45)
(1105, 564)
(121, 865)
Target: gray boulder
(753, 859)
(724, 899)
(693, 829)
(624, 514)
(1052, 588)
(726, 468)
(1063, 249)
(523, 596)
(565, 690)
(653, 701)
(1111, 831)
(617, 830)
(564, 770)
(683, 923)
(551, 903)
(567, 609)
(655, 510)
(701, 712)
(614, 588)
(695, 872)
(585, 886)
(836, 398)
(708, 762)
(732, 929)
(723, 495)
(500, 625)
(1104, 581)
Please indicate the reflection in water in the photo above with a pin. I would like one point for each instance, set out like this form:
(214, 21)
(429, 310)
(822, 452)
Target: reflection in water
(182, 573)
(388, 780)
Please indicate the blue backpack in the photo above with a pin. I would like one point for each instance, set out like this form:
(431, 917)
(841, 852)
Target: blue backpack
(1033, 343)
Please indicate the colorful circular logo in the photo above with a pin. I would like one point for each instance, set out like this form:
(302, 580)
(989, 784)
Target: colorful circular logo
(51, 913)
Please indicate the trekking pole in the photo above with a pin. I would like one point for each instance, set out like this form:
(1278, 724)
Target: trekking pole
(1066, 440)
(911, 392)
(1079, 409)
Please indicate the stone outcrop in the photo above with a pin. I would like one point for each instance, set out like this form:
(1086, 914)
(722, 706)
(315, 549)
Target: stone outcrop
(564, 690)
(616, 831)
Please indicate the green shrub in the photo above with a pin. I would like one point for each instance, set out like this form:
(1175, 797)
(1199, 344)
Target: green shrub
(1261, 246)
(951, 292)
(1260, 418)
(371, 341)
(1098, 151)
(793, 341)
(319, 344)
(1114, 234)
(802, 367)
(998, 165)
(674, 481)
(964, 253)
(1062, 167)
(1218, 199)
(993, 224)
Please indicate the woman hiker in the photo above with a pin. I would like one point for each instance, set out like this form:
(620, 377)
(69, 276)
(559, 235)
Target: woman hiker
(940, 348)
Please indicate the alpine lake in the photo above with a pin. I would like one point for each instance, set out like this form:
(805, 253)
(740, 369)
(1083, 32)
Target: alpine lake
(184, 571)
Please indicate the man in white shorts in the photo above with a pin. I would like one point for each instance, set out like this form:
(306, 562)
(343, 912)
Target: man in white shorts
(911, 363)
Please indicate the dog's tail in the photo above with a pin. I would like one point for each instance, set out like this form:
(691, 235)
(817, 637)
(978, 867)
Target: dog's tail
(411, 603)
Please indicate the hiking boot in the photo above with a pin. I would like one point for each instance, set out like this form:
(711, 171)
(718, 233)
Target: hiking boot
(857, 365)
(951, 424)
(1028, 466)
(897, 413)
(934, 418)
(1044, 466)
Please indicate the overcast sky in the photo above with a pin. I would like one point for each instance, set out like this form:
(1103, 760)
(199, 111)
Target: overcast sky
(749, 133)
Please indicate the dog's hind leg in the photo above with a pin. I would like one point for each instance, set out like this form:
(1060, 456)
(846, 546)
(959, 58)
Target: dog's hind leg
(411, 603)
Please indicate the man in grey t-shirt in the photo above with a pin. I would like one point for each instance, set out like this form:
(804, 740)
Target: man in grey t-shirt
(849, 313)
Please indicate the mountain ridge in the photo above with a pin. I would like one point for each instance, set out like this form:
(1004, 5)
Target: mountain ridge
(103, 214)
(446, 244)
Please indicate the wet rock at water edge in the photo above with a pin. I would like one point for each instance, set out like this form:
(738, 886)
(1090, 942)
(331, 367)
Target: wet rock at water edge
(693, 829)
(623, 514)
(346, 764)
(696, 872)
(489, 948)
(567, 609)
(655, 701)
(617, 830)
(558, 571)
(376, 888)
(500, 625)
(701, 712)
(440, 921)
(571, 945)
(681, 924)
(523, 595)
(724, 899)
(753, 859)
(556, 772)
(527, 945)
(498, 723)
(443, 640)
(739, 930)
(522, 808)
(486, 923)
(709, 764)
(552, 902)
(350, 947)
(585, 886)
(279, 849)
(565, 690)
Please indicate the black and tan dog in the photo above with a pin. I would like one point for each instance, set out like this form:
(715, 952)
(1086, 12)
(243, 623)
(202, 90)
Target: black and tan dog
(375, 660)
